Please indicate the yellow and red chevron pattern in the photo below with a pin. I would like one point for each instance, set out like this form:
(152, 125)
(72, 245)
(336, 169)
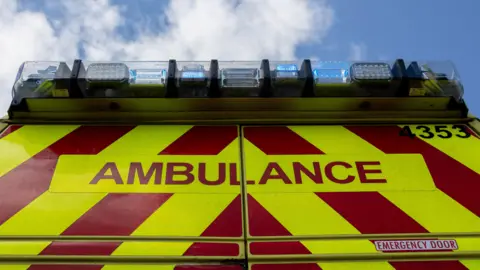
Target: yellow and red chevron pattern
(272, 193)
(203, 223)
(322, 211)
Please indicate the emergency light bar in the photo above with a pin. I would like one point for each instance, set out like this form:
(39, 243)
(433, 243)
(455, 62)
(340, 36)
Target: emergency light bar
(212, 79)
(237, 91)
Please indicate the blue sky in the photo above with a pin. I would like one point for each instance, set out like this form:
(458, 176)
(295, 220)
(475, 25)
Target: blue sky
(326, 29)
(415, 29)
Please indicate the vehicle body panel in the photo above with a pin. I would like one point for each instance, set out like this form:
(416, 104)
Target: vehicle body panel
(332, 192)
(228, 197)
(42, 215)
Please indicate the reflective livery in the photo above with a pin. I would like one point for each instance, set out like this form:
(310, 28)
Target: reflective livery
(209, 197)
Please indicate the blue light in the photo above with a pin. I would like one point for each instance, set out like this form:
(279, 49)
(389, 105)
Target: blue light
(329, 73)
(332, 65)
(287, 71)
(133, 75)
(289, 67)
(193, 75)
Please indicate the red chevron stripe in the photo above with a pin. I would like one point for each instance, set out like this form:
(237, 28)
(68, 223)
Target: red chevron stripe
(9, 130)
(371, 213)
(202, 140)
(279, 141)
(450, 176)
(117, 214)
(213, 249)
(29, 180)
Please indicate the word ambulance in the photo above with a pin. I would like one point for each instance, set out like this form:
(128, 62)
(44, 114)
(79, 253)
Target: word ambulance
(211, 174)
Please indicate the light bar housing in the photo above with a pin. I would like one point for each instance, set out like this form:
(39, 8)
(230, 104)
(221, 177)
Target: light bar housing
(41, 79)
(236, 79)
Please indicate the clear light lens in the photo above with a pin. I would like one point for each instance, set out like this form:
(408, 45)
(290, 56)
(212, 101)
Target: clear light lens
(147, 76)
(371, 71)
(240, 77)
(107, 72)
(439, 78)
(40, 79)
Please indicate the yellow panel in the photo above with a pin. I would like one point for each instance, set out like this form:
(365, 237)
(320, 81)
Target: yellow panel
(464, 150)
(22, 247)
(335, 140)
(145, 140)
(50, 214)
(355, 265)
(472, 264)
(14, 266)
(468, 243)
(386, 172)
(115, 173)
(175, 217)
(340, 246)
(26, 142)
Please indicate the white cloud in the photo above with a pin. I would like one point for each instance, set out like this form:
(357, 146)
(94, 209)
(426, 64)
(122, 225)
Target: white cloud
(358, 51)
(198, 30)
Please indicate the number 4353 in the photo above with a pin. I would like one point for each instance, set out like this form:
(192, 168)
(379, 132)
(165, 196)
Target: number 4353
(443, 132)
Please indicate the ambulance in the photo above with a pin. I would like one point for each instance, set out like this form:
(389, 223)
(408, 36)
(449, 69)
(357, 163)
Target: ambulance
(230, 165)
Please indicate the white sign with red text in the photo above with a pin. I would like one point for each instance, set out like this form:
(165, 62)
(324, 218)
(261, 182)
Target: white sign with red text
(415, 245)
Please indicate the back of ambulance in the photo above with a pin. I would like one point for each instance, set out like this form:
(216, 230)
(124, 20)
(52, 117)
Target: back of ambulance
(239, 165)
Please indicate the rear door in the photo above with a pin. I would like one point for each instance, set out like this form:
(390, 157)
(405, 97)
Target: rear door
(133, 194)
(362, 197)
(316, 197)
